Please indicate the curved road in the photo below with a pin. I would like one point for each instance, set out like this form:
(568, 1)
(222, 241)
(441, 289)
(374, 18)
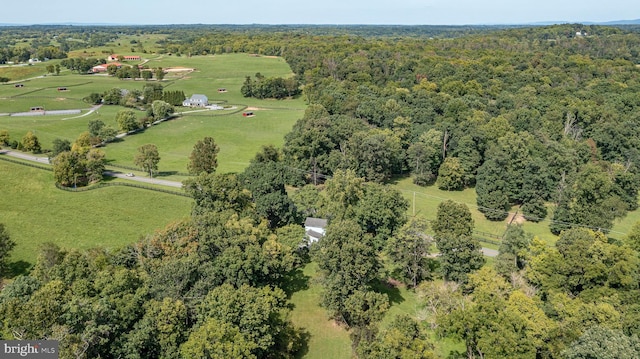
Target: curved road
(143, 179)
(45, 160)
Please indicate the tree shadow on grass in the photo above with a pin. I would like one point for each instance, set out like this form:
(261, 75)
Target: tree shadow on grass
(18, 268)
(302, 338)
(390, 289)
(295, 282)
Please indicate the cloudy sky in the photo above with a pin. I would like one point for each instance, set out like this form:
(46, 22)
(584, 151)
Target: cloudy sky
(408, 12)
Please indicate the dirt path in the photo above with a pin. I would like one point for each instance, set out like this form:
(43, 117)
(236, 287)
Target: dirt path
(92, 110)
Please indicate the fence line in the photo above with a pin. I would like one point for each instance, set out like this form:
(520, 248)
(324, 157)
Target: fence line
(102, 185)
(8, 159)
(125, 167)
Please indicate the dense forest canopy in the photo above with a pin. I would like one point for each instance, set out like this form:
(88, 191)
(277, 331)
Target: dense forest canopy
(545, 118)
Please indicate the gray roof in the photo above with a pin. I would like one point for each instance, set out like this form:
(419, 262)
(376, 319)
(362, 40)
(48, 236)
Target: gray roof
(315, 222)
(314, 234)
(199, 97)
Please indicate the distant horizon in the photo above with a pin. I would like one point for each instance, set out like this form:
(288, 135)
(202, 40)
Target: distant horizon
(536, 23)
(328, 12)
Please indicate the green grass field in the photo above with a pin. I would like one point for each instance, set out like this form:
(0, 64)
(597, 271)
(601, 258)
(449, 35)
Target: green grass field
(20, 72)
(34, 211)
(327, 339)
(238, 137)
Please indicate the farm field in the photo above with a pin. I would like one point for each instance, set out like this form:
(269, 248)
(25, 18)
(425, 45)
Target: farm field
(34, 211)
(239, 137)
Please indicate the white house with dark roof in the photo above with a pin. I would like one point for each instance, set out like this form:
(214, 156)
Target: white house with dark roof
(196, 100)
(314, 229)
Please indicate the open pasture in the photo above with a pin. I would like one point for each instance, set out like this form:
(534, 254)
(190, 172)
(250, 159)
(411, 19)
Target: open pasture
(239, 138)
(224, 71)
(34, 211)
(427, 200)
(20, 72)
(123, 45)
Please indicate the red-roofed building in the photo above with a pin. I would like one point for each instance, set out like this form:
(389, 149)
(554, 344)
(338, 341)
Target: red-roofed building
(103, 67)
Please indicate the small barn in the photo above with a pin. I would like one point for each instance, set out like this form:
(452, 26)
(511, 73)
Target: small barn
(196, 100)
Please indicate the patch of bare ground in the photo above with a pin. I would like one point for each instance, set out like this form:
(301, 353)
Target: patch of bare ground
(519, 218)
(393, 283)
(178, 69)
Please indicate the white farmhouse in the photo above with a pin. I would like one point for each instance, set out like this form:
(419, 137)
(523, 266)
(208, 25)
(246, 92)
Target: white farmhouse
(314, 228)
(196, 100)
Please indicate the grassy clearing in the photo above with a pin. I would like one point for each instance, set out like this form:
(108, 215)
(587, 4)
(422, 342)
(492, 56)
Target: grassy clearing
(424, 201)
(427, 200)
(239, 138)
(329, 340)
(34, 212)
(623, 226)
(18, 72)
(123, 46)
(326, 338)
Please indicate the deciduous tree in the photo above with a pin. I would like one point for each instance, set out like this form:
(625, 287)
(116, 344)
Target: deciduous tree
(204, 156)
(459, 251)
(148, 158)
(31, 143)
(6, 245)
(127, 120)
(408, 251)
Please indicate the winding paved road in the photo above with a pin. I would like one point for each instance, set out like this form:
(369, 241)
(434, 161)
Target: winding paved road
(118, 174)
(143, 179)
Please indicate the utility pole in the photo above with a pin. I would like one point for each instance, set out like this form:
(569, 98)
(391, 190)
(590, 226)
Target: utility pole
(414, 203)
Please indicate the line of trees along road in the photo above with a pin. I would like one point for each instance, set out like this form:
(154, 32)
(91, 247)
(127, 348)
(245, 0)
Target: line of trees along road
(538, 117)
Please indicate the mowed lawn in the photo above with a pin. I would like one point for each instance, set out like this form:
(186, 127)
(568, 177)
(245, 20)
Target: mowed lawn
(34, 211)
(327, 339)
(238, 137)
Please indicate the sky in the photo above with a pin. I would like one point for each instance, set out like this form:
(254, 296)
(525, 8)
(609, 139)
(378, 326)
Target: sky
(400, 12)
